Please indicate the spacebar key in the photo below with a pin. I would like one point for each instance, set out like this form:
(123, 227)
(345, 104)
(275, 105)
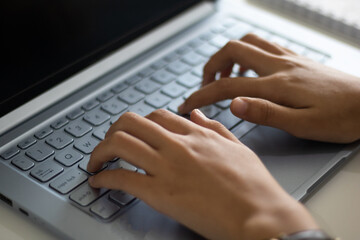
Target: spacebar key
(85, 194)
(227, 119)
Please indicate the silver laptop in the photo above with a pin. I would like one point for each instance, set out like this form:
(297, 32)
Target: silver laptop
(73, 67)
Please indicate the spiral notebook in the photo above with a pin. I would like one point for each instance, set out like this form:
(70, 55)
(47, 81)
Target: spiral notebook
(340, 17)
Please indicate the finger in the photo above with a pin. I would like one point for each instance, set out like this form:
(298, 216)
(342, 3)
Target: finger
(141, 128)
(227, 72)
(171, 121)
(263, 44)
(120, 179)
(267, 113)
(227, 88)
(122, 145)
(246, 55)
(199, 118)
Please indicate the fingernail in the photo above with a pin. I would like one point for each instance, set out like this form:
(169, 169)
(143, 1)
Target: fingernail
(239, 106)
(200, 112)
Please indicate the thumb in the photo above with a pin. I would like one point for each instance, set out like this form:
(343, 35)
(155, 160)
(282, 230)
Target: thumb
(199, 118)
(264, 112)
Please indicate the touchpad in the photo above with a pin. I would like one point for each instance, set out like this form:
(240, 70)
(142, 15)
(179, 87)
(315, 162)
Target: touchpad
(291, 161)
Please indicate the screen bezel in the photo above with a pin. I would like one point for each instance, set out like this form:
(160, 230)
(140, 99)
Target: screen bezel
(105, 65)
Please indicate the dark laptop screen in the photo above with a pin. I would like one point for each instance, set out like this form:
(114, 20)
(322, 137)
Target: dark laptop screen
(44, 42)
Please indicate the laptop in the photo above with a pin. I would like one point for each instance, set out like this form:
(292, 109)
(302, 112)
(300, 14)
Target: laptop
(72, 68)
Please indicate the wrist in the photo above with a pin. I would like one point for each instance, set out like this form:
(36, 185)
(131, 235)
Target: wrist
(281, 216)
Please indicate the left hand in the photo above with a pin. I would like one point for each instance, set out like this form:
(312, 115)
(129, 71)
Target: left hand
(199, 174)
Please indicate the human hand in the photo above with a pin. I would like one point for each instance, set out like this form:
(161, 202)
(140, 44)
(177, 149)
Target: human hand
(199, 174)
(292, 92)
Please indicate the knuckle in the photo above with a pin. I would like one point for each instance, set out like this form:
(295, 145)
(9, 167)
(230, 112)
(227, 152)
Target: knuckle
(249, 37)
(159, 113)
(267, 112)
(118, 137)
(128, 116)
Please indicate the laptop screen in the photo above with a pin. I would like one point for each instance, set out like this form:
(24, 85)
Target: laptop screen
(45, 42)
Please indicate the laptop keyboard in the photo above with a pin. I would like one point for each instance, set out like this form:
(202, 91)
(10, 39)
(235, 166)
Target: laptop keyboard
(57, 155)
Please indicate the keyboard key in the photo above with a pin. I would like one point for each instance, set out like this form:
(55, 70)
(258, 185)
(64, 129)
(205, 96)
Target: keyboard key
(27, 143)
(9, 153)
(219, 41)
(157, 100)
(105, 96)
(86, 146)
(242, 129)
(189, 80)
(90, 105)
(43, 133)
(261, 33)
(159, 64)
(96, 117)
(207, 36)
(178, 67)
(173, 106)
(141, 108)
(125, 165)
(68, 157)
(210, 111)
(193, 59)
(132, 80)
(83, 165)
(196, 43)
(238, 31)
(229, 22)
(316, 56)
(59, 123)
(147, 86)
(59, 140)
(279, 40)
(224, 103)
(75, 114)
(207, 50)
(104, 208)
(78, 129)
(227, 119)
(190, 92)
(121, 198)
(199, 70)
(118, 88)
(297, 48)
(85, 195)
(250, 74)
(183, 50)
(218, 29)
(163, 76)
(146, 72)
(173, 90)
(39, 152)
(22, 163)
(101, 132)
(46, 171)
(114, 107)
(171, 57)
(69, 181)
(131, 96)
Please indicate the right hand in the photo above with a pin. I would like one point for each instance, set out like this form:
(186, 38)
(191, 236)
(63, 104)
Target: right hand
(292, 93)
